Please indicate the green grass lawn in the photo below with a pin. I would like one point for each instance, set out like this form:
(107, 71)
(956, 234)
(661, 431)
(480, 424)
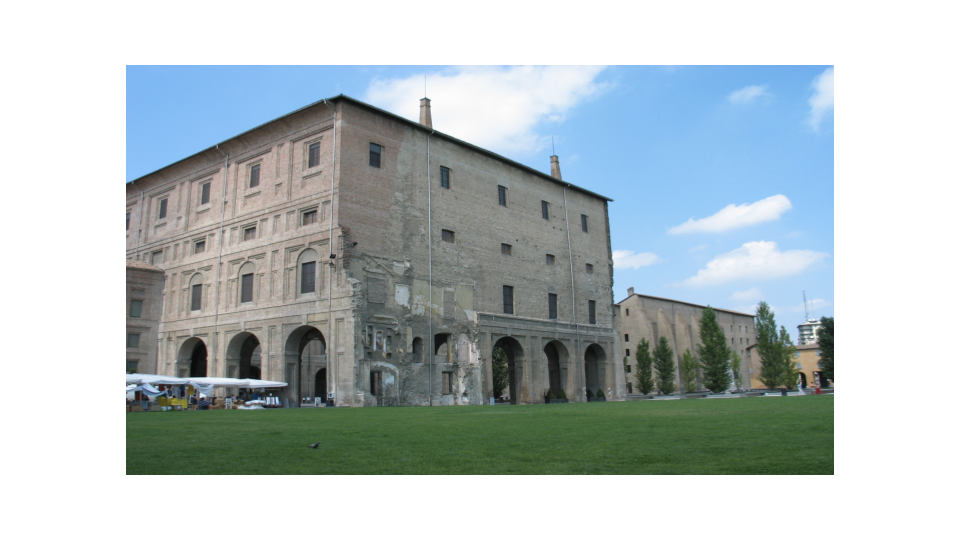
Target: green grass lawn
(763, 435)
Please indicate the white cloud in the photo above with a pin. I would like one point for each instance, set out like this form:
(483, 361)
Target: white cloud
(734, 217)
(812, 305)
(498, 108)
(747, 94)
(755, 260)
(623, 259)
(752, 294)
(698, 248)
(822, 99)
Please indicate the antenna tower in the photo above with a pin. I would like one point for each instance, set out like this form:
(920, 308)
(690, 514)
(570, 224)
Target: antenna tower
(806, 313)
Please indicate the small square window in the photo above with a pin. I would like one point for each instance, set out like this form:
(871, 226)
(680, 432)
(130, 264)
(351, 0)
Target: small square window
(249, 234)
(551, 260)
(314, 155)
(133, 341)
(589, 268)
(255, 176)
(163, 209)
(628, 365)
(375, 151)
(502, 193)
(205, 193)
(506, 249)
(136, 307)
(592, 308)
(309, 217)
(626, 337)
(128, 221)
(448, 236)
(200, 247)
(444, 178)
(156, 258)
(583, 222)
(131, 366)
(552, 305)
(545, 209)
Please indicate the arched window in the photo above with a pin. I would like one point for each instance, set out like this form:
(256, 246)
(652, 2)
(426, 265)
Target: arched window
(308, 272)
(245, 278)
(195, 293)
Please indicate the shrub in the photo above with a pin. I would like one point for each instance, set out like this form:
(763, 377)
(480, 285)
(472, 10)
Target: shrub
(589, 393)
(600, 394)
(561, 394)
(550, 394)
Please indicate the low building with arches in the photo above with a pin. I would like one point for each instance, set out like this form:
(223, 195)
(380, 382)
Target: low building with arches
(369, 259)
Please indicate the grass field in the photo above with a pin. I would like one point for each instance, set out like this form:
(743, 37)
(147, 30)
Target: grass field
(764, 435)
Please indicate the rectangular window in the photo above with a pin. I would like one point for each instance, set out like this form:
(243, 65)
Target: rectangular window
(447, 386)
(131, 366)
(502, 192)
(375, 151)
(628, 313)
(195, 294)
(626, 337)
(545, 209)
(551, 260)
(128, 221)
(309, 217)
(552, 305)
(133, 341)
(205, 193)
(583, 222)
(628, 352)
(592, 308)
(200, 247)
(163, 209)
(308, 277)
(136, 307)
(255, 176)
(448, 236)
(156, 258)
(246, 288)
(506, 249)
(508, 299)
(249, 234)
(589, 268)
(444, 178)
(628, 365)
(314, 155)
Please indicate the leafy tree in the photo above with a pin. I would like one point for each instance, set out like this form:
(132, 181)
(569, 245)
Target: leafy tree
(663, 364)
(561, 394)
(645, 367)
(769, 347)
(600, 393)
(589, 393)
(790, 370)
(501, 374)
(688, 372)
(735, 364)
(714, 353)
(825, 338)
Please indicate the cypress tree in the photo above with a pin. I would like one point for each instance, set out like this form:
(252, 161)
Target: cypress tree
(825, 339)
(688, 372)
(735, 363)
(714, 353)
(663, 364)
(790, 370)
(769, 347)
(644, 367)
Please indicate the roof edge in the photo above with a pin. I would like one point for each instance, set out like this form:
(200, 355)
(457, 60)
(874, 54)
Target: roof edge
(684, 302)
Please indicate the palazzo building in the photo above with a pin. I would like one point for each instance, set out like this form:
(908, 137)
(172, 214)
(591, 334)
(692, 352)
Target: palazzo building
(373, 260)
(651, 317)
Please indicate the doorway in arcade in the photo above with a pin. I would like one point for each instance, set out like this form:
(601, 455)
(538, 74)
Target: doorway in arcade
(305, 369)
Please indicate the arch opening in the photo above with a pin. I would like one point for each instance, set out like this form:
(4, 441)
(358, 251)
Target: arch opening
(304, 356)
(594, 369)
(510, 353)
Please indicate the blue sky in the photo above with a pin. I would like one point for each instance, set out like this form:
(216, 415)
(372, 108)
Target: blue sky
(722, 177)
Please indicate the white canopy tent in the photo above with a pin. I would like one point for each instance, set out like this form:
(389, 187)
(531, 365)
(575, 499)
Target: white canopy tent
(140, 378)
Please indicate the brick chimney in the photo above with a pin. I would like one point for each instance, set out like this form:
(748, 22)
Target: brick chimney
(425, 113)
(630, 291)
(554, 167)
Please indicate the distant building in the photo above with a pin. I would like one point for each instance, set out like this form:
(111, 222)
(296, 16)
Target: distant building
(808, 331)
(650, 317)
(807, 358)
(144, 303)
